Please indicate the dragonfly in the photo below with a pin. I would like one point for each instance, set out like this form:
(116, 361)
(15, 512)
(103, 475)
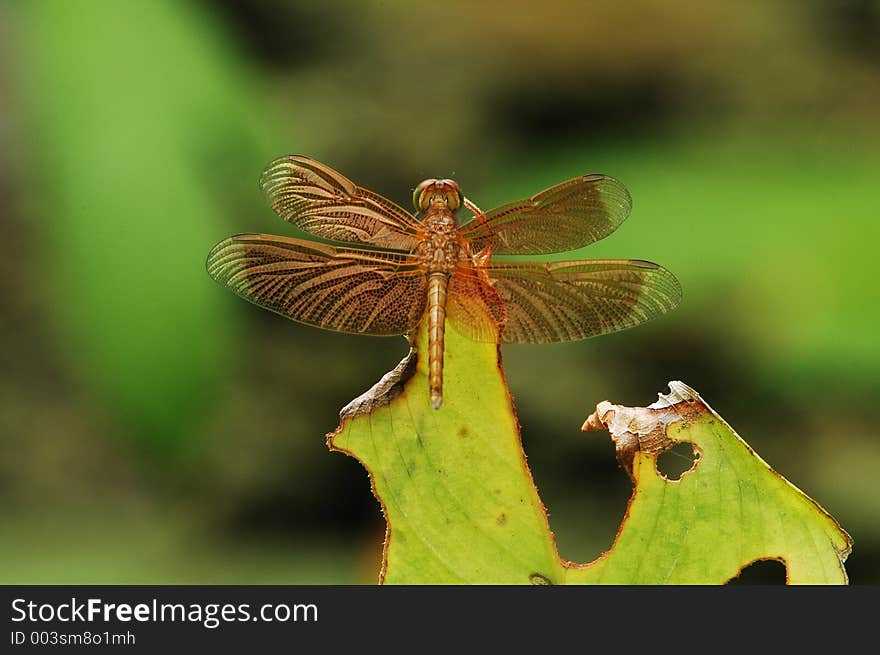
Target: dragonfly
(388, 269)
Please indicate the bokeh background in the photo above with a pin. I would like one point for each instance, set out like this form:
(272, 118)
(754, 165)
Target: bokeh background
(156, 429)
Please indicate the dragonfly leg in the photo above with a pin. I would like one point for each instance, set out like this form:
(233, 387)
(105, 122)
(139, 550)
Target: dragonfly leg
(476, 211)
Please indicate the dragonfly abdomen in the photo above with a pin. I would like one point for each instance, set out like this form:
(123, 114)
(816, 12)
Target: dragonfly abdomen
(437, 283)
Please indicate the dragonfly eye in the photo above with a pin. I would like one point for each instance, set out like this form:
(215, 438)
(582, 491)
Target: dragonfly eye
(421, 200)
(452, 192)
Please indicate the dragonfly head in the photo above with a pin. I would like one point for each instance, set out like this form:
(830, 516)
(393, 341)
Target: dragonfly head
(432, 192)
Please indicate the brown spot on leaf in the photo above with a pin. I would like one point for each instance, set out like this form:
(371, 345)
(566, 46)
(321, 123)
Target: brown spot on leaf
(384, 391)
(502, 519)
(538, 579)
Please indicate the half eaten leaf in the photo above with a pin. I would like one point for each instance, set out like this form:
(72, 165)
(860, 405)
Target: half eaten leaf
(461, 506)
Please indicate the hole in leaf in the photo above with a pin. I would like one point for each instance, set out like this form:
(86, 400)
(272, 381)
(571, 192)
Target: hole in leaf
(678, 460)
(761, 571)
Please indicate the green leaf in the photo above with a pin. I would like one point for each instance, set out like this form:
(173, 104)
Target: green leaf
(461, 506)
(729, 510)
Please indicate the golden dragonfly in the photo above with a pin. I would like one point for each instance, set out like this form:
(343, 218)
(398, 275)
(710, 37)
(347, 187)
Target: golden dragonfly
(427, 265)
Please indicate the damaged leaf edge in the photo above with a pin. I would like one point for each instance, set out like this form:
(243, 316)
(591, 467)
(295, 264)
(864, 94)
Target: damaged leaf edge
(385, 391)
(679, 393)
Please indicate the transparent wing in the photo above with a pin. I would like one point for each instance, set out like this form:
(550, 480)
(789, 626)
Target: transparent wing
(564, 217)
(560, 301)
(473, 305)
(341, 289)
(322, 202)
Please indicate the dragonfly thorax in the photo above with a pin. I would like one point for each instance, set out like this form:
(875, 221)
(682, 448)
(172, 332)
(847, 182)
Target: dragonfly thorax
(439, 249)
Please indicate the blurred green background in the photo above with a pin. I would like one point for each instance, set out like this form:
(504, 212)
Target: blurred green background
(156, 429)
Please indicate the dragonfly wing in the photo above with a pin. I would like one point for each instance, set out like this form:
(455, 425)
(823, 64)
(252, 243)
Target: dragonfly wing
(568, 301)
(473, 306)
(325, 203)
(336, 288)
(564, 217)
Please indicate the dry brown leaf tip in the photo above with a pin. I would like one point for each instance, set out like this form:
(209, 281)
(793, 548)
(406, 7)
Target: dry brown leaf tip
(644, 429)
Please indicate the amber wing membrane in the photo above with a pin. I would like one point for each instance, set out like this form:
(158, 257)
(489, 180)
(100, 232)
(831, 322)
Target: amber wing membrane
(564, 217)
(473, 306)
(325, 203)
(341, 289)
(562, 301)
